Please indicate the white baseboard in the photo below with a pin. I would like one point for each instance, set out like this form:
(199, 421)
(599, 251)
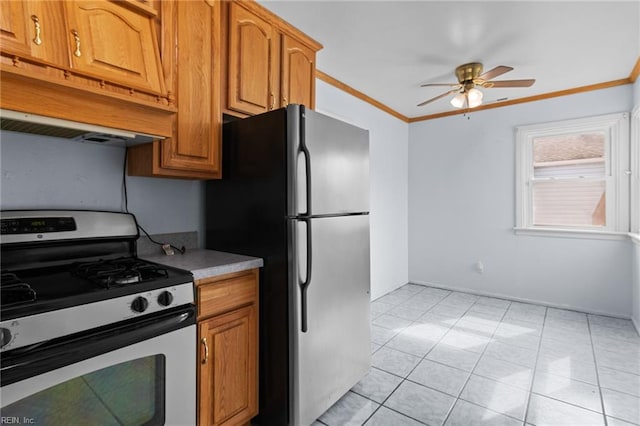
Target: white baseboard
(524, 300)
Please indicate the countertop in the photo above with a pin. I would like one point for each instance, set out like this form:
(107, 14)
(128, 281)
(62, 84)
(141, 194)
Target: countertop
(207, 263)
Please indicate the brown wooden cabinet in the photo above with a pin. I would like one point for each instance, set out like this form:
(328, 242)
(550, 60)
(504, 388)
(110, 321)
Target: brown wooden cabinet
(228, 355)
(35, 29)
(191, 59)
(101, 62)
(93, 61)
(252, 69)
(269, 63)
(13, 26)
(114, 43)
(298, 73)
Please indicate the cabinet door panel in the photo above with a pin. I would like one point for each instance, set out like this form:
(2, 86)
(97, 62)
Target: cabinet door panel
(113, 42)
(196, 144)
(35, 28)
(228, 378)
(13, 27)
(251, 65)
(298, 73)
(53, 45)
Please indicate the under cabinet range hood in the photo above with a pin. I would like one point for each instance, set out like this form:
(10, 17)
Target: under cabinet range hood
(82, 132)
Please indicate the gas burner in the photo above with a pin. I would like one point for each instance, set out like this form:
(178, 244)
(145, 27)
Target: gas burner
(118, 272)
(13, 291)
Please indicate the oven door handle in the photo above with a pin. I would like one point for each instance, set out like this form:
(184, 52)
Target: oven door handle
(30, 361)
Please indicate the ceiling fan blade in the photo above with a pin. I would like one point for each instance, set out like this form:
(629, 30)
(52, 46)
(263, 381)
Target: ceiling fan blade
(509, 83)
(440, 84)
(438, 97)
(493, 73)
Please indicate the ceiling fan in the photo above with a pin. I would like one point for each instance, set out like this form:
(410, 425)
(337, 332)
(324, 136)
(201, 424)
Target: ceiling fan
(469, 76)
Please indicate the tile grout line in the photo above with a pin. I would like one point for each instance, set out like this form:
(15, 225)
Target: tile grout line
(476, 364)
(437, 343)
(569, 378)
(535, 368)
(405, 378)
(595, 362)
(381, 404)
(491, 339)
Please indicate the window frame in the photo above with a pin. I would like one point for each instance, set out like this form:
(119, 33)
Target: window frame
(617, 189)
(634, 148)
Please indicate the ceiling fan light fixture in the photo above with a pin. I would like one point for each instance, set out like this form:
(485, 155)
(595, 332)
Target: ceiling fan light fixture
(470, 77)
(474, 97)
(458, 100)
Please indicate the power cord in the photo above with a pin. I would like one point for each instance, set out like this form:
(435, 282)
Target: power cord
(166, 247)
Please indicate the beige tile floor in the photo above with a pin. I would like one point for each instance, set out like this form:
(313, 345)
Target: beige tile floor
(448, 358)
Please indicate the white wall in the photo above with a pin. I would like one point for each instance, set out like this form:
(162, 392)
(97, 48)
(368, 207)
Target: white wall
(462, 210)
(388, 138)
(40, 172)
(44, 172)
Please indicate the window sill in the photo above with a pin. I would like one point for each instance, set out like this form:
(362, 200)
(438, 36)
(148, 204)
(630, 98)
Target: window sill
(572, 233)
(634, 237)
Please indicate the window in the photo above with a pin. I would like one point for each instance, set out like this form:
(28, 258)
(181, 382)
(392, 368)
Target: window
(573, 176)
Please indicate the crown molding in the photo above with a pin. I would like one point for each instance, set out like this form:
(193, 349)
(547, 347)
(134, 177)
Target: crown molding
(635, 72)
(534, 98)
(633, 76)
(342, 86)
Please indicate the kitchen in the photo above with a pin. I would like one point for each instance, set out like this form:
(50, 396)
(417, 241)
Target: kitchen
(36, 174)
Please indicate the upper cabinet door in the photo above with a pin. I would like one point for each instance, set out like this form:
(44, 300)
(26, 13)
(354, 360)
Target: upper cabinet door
(14, 35)
(48, 31)
(196, 142)
(35, 29)
(298, 73)
(111, 41)
(252, 62)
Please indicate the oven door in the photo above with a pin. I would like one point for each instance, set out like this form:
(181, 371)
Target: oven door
(140, 373)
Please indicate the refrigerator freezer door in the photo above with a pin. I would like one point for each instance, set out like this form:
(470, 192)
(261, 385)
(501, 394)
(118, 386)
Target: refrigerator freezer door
(334, 353)
(337, 155)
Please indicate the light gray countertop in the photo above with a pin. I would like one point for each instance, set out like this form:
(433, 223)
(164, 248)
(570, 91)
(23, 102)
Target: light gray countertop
(207, 263)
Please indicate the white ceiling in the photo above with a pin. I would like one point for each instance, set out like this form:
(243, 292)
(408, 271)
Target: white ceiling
(387, 49)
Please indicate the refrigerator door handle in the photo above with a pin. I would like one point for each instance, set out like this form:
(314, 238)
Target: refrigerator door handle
(307, 162)
(304, 285)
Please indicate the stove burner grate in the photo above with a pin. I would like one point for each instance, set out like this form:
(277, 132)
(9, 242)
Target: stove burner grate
(118, 272)
(13, 291)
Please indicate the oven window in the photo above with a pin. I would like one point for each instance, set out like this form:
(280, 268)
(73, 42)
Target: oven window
(130, 393)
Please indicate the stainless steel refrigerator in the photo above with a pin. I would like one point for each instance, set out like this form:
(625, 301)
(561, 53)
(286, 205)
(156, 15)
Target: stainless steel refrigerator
(295, 191)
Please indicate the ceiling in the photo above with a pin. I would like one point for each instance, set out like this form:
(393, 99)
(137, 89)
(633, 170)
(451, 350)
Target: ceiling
(387, 49)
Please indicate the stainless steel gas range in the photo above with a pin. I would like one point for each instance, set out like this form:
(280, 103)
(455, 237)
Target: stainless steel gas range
(89, 332)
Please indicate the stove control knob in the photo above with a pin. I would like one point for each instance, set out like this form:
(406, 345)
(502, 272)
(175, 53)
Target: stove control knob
(5, 337)
(139, 304)
(165, 298)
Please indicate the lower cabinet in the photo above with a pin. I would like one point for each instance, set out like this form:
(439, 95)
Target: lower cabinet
(228, 352)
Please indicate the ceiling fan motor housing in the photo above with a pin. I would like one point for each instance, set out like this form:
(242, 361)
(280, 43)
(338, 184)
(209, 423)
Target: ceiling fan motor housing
(468, 72)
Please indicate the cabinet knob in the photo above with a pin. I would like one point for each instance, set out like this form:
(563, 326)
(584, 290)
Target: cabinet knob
(76, 37)
(36, 22)
(285, 102)
(273, 101)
